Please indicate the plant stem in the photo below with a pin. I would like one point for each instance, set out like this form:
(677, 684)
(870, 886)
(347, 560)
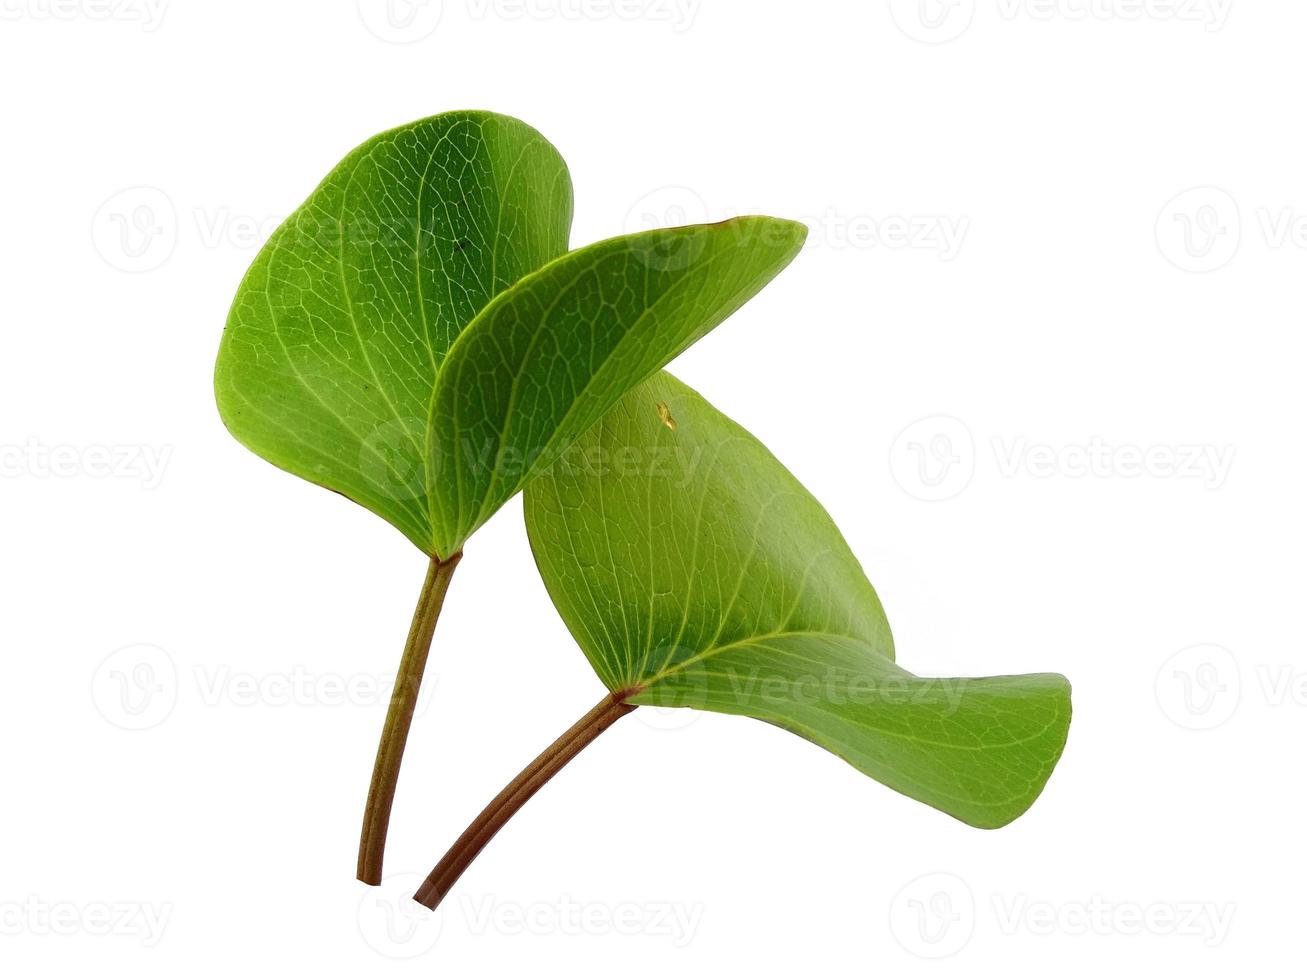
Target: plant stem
(403, 702)
(501, 809)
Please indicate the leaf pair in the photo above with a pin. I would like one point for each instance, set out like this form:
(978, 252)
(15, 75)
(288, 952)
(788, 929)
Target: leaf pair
(417, 337)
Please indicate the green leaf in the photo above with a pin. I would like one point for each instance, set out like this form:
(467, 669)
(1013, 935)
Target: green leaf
(414, 338)
(338, 330)
(546, 359)
(694, 570)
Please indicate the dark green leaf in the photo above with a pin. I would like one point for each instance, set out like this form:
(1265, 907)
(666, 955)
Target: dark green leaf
(414, 338)
(342, 322)
(548, 357)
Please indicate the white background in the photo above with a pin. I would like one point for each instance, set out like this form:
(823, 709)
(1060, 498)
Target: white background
(1097, 309)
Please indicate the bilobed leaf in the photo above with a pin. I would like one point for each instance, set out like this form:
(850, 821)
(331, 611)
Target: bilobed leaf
(415, 338)
(694, 570)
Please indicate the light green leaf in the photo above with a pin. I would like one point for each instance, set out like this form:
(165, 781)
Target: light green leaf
(694, 570)
(414, 338)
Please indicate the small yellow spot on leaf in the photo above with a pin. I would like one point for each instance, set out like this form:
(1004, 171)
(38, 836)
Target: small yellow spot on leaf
(665, 416)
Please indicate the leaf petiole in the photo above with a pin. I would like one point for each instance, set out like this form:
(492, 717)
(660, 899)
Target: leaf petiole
(399, 718)
(511, 798)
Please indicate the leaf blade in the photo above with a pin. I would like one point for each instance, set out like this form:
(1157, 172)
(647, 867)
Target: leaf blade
(339, 327)
(977, 748)
(760, 609)
(573, 337)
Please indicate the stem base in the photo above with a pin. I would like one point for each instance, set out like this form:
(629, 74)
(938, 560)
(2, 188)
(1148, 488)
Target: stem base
(511, 799)
(399, 718)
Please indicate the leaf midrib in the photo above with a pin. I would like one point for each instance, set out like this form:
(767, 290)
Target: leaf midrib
(759, 638)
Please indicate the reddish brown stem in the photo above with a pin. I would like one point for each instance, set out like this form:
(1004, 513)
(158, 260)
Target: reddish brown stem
(399, 718)
(501, 809)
